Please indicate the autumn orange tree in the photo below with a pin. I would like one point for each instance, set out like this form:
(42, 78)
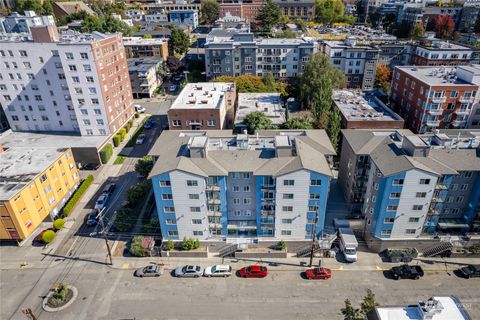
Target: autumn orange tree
(383, 78)
(444, 26)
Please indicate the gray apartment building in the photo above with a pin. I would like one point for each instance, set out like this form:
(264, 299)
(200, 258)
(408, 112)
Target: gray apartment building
(241, 53)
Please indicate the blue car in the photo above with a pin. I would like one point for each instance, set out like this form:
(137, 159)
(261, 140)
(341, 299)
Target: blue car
(148, 124)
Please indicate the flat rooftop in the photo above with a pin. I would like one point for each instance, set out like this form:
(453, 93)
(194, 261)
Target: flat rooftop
(19, 165)
(202, 95)
(357, 106)
(139, 41)
(141, 64)
(440, 76)
(66, 37)
(270, 104)
(444, 45)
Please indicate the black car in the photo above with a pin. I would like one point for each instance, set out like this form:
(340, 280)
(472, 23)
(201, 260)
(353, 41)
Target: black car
(91, 166)
(407, 272)
(109, 188)
(92, 218)
(470, 271)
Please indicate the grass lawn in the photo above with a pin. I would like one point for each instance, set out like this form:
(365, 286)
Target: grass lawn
(119, 160)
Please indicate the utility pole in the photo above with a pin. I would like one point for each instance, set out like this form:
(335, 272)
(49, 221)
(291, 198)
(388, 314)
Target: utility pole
(29, 313)
(104, 233)
(314, 236)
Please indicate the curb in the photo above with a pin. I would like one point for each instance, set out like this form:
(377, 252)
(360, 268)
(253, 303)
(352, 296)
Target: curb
(50, 309)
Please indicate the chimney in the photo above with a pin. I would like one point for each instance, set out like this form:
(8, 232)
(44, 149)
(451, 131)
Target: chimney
(45, 34)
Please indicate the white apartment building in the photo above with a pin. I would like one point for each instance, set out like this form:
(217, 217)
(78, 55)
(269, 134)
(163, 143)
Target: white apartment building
(72, 82)
(16, 23)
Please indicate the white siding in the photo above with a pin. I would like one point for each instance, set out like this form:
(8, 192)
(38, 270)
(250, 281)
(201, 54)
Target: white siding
(299, 202)
(408, 199)
(182, 204)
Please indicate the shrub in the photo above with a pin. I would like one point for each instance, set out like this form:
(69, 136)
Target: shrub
(196, 244)
(282, 245)
(189, 244)
(144, 166)
(137, 115)
(48, 236)
(137, 192)
(58, 224)
(77, 195)
(106, 153)
(125, 220)
(130, 124)
(170, 245)
(116, 140)
(136, 248)
(122, 132)
(59, 295)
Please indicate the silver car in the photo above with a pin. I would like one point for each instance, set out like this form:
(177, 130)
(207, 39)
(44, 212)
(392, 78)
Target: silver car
(153, 270)
(189, 271)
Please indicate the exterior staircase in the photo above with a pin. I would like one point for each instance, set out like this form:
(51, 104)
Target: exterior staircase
(437, 249)
(228, 250)
(305, 251)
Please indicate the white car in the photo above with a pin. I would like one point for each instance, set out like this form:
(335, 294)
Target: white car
(140, 139)
(139, 108)
(219, 270)
(101, 201)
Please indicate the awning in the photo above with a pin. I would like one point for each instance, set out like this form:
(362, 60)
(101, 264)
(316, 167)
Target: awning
(453, 225)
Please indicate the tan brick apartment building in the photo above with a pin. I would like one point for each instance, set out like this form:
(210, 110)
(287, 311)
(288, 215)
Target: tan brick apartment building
(204, 106)
(430, 98)
(248, 9)
(441, 53)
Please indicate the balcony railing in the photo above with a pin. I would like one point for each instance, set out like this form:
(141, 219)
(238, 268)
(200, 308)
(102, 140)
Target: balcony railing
(213, 225)
(268, 187)
(214, 213)
(459, 123)
(267, 221)
(437, 200)
(433, 123)
(267, 212)
(435, 112)
(213, 201)
(212, 187)
(441, 186)
(466, 99)
(463, 111)
(438, 99)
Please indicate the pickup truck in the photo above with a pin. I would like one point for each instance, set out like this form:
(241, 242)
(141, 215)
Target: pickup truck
(407, 272)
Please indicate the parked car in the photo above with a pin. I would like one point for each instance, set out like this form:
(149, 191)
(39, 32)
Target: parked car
(318, 273)
(407, 272)
(173, 88)
(188, 271)
(470, 271)
(219, 270)
(139, 108)
(101, 201)
(109, 188)
(149, 123)
(178, 77)
(153, 270)
(92, 218)
(90, 166)
(254, 272)
(140, 139)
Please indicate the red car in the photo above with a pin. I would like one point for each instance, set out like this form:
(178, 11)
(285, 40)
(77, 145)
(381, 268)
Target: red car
(319, 273)
(253, 272)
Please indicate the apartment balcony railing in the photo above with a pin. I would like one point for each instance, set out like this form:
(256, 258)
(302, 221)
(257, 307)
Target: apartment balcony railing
(435, 112)
(267, 187)
(267, 221)
(212, 225)
(214, 213)
(213, 201)
(268, 201)
(463, 111)
(437, 200)
(433, 123)
(213, 187)
(441, 186)
(249, 225)
(267, 212)
(438, 99)
(459, 123)
(466, 99)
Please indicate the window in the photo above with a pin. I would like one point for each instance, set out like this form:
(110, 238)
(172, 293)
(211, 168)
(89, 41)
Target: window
(167, 196)
(464, 187)
(194, 209)
(288, 182)
(246, 188)
(287, 208)
(165, 183)
(176, 123)
(237, 213)
(395, 195)
(168, 209)
(173, 233)
(83, 55)
(170, 221)
(288, 196)
(89, 79)
(315, 182)
(386, 232)
(287, 221)
(392, 208)
(43, 178)
(69, 55)
(247, 201)
(286, 232)
(398, 182)
(388, 220)
(410, 231)
(192, 183)
(467, 174)
(198, 233)
(421, 194)
(236, 200)
(459, 199)
(417, 207)
(193, 196)
(413, 219)
(72, 67)
(51, 200)
(314, 196)
(312, 208)
(424, 181)
(211, 123)
(245, 175)
(196, 221)
(23, 53)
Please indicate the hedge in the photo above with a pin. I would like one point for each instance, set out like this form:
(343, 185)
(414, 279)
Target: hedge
(134, 137)
(106, 153)
(77, 195)
(137, 115)
(122, 132)
(116, 140)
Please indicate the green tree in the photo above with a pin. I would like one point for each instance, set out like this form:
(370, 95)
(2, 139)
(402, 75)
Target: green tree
(316, 84)
(288, 33)
(350, 313)
(179, 42)
(269, 82)
(418, 31)
(170, 245)
(137, 192)
(245, 83)
(136, 247)
(329, 11)
(301, 24)
(105, 23)
(147, 36)
(28, 5)
(297, 123)
(47, 8)
(334, 126)
(144, 166)
(125, 220)
(257, 121)
(270, 16)
(210, 11)
(369, 303)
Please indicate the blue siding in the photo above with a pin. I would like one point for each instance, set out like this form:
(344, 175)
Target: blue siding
(473, 201)
(258, 201)
(222, 182)
(321, 190)
(163, 216)
(382, 202)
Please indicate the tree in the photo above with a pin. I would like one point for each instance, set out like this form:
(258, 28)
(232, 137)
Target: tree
(350, 313)
(28, 5)
(297, 123)
(179, 42)
(369, 303)
(269, 82)
(48, 236)
(329, 11)
(58, 224)
(144, 166)
(210, 11)
(257, 121)
(288, 33)
(125, 220)
(245, 83)
(105, 23)
(316, 84)
(444, 26)
(270, 16)
(136, 247)
(137, 192)
(174, 65)
(47, 8)
(383, 78)
(301, 24)
(333, 127)
(418, 31)
(147, 36)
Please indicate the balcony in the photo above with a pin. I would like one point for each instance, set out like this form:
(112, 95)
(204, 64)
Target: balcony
(441, 186)
(268, 201)
(437, 200)
(433, 123)
(459, 123)
(435, 112)
(267, 212)
(466, 99)
(213, 201)
(267, 221)
(438, 99)
(463, 111)
(212, 225)
(214, 214)
(244, 225)
(267, 187)
(212, 187)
